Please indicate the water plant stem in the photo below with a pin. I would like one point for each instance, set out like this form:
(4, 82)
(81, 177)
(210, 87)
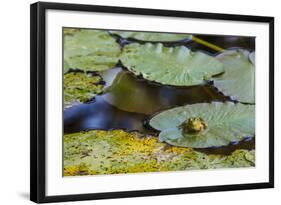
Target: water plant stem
(207, 44)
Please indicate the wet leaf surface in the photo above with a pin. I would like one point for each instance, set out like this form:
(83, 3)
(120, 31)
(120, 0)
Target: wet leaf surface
(170, 66)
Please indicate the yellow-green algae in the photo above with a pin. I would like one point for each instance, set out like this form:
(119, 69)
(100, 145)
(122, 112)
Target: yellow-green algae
(111, 152)
(80, 87)
(69, 31)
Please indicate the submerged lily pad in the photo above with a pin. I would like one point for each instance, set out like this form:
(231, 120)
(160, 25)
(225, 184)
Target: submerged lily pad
(205, 125)
(238, 81)
(171, 66)
(80, 87)
(153, 36)
(112, 152)
(90, 50)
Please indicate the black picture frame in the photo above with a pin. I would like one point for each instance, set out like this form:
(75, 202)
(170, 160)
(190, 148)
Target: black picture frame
(38, 101)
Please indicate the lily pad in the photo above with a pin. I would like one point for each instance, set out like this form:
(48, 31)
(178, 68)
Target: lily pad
(238, 81)
(252, 57)
(113, 152)
(171, 66)
(80, 87)
(90, 50)
(153, 36)
(205, 125)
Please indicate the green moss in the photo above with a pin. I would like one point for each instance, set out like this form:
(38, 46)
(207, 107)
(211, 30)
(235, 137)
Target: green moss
(117, 151)
(80, 87)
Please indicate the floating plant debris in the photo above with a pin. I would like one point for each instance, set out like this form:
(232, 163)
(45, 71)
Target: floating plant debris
(238, 81)
(80, 87)
(170, 65)
(152, 36)
(90, 50)
(205, 125)
(112, 152)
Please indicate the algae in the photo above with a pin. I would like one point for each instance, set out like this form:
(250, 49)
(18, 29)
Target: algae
(112, 152)
(80, 87)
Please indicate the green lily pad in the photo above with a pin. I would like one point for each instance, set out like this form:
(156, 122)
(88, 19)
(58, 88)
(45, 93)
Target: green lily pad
(171, 66)
(90, 50)
(238, 81)
(80, 87)
(205, 125)
(153, 36)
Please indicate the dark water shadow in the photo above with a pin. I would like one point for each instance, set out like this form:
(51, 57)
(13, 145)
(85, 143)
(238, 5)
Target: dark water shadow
(248, 143)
